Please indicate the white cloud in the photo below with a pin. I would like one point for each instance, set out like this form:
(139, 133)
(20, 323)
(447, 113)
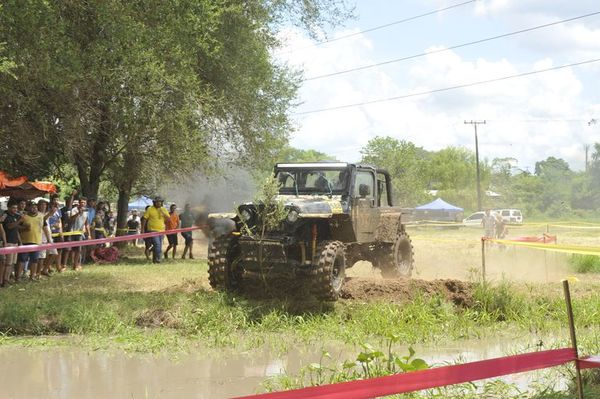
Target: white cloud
(434, 121)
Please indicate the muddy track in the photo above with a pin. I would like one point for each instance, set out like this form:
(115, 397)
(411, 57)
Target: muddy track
(367, 289)
(402, 290)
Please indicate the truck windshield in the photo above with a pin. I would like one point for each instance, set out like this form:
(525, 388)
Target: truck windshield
(312, 181)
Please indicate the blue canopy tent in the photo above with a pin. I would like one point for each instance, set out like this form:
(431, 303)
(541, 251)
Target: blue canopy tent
(141, 203)
(439, 210)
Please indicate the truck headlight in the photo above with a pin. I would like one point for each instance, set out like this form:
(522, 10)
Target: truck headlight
(245, 215)
(292, 217)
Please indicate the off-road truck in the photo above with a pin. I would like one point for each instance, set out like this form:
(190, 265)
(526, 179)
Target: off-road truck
(337, 214)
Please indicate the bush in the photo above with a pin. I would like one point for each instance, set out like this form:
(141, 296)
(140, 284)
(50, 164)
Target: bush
(585, 263)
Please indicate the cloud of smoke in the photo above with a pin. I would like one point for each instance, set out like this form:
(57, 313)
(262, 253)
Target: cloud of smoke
(212, 194)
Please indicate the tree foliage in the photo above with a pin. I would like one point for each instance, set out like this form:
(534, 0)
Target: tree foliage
(136, 91)
(406, 164)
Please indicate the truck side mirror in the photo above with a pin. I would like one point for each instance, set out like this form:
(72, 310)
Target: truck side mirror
(364, 190)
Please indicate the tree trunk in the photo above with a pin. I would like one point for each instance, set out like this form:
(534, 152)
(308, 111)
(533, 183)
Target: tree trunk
(122, 210)
(90, 167)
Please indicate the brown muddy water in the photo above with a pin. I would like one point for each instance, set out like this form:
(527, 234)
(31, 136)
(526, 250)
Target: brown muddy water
(70, 373)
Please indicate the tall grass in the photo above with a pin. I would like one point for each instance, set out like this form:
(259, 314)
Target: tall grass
(585, 263)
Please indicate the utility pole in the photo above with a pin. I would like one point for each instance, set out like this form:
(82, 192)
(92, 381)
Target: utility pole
(475, 123)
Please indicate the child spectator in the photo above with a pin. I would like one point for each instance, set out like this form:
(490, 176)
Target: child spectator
(110, 223)
(172, 223)
(97, 227)
(133, 224)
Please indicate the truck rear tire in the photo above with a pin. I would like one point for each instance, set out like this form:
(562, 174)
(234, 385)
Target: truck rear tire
(221, 274)
(397, 259)
(330, 262)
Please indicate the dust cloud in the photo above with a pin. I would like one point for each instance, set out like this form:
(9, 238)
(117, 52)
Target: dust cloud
(213, 194)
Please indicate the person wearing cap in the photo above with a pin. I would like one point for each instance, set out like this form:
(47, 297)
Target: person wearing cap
(154, 221)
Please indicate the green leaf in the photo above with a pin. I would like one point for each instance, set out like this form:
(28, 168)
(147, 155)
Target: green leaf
(419, 364)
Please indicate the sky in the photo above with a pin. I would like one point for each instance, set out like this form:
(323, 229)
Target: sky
(528, 118)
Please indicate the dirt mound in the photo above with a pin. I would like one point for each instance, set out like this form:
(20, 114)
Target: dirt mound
(402, 290)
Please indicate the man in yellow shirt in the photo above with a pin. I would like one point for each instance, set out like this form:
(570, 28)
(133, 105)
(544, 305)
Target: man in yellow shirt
(31, 234)
(154, 220)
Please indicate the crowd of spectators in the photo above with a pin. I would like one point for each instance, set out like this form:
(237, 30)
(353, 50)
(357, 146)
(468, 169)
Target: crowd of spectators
(42, 222)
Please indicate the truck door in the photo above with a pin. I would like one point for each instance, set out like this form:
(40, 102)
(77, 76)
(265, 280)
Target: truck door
(365, 210)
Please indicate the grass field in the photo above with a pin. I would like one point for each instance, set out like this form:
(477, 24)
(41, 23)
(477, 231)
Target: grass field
(140, 307)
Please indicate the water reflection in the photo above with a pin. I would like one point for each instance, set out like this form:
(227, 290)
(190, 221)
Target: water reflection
(66, 373)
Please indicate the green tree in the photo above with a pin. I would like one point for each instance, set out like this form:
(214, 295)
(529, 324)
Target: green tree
(501, 180)
(141, 90)
(453, 171)
(585, 190)
(291, 154)
(555, 179)
(406, 164)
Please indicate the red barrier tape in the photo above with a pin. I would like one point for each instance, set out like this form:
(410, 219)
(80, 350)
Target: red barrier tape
(590, 362)
(69, 244)
(546, 239)
(431, 378)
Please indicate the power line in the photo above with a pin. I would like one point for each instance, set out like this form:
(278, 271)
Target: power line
(382, 26)
(449, 88)
(451, 48)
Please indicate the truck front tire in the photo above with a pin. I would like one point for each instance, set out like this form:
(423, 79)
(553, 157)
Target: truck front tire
(221, 275)
(330, 262)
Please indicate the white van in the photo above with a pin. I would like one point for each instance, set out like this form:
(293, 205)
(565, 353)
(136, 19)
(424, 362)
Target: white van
(513, 216)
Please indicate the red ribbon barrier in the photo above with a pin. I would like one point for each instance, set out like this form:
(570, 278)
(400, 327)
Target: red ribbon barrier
(431, 378)
(83, 243)
(590, 362)
(546, 238)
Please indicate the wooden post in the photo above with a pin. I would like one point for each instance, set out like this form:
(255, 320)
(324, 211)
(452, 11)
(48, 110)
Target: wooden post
(483, 258)
(573, 337)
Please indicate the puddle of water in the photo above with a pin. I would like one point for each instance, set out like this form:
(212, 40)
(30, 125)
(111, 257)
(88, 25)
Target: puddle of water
(67, 373)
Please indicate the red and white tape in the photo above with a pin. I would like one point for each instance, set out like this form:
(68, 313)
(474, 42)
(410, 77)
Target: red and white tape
(435, 377)
(69, 244)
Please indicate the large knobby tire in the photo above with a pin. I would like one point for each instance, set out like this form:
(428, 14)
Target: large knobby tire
(397, 259)
(330, 262)
(221, 275)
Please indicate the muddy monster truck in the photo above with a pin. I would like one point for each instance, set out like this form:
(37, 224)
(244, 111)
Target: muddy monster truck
(337, 214)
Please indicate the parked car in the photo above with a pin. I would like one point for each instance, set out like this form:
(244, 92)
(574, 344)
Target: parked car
(474, 220)
(513, 216)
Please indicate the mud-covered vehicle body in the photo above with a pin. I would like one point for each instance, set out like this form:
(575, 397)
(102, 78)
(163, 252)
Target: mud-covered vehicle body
(337, 214)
